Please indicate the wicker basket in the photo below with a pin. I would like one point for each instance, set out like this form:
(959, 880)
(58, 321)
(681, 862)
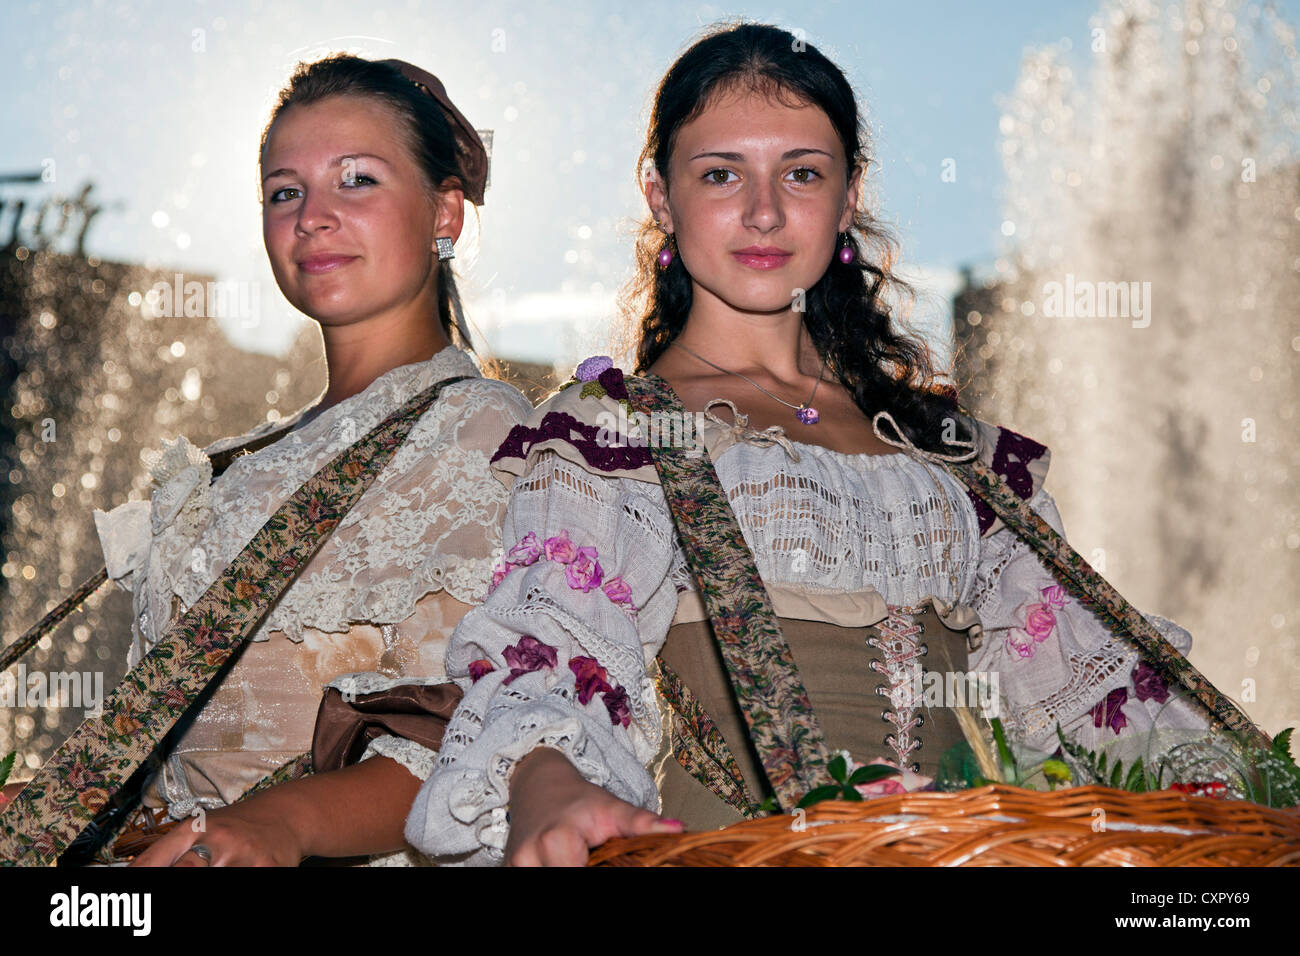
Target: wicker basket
(996, 825)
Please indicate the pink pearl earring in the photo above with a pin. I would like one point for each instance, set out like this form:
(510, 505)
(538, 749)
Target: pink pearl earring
(665, 257)
(847, 252)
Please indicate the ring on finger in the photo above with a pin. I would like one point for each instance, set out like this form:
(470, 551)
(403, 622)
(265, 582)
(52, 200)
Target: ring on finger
(202, 851)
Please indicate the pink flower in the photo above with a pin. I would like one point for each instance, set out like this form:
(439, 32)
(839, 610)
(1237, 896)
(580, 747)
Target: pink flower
(616, 704)
(527, 656)
(499, 572)
(584, 572)
(877, 788)
(592, 679)
(1022, 649)
(560, 548)
(1108, 711)
(618, 591)
(526, 552)
(480, 668)
(881, 788)
(1039, 622)
(1054, 595)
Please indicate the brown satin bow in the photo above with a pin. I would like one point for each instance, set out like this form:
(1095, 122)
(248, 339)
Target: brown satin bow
(469, 145)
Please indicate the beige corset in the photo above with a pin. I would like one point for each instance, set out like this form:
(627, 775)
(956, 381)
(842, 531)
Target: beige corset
(860, 681)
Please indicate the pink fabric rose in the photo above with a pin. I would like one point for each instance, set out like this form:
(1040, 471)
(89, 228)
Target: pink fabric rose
(526, 552)
(1022, 649)
(499, 572)
(584, 572)
(527, 656)
(560, 548)
(592, 679)
(1054, 595)
(618, 591)
(1039, 622)
(878, 788)
(881, 788)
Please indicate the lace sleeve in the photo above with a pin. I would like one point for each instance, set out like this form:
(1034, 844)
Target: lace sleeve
(1057, 662)
(557, 655)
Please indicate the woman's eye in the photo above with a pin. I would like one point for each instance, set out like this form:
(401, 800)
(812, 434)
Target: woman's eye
(360, 179)
(276, 196)
(718, 177)
(804, 175)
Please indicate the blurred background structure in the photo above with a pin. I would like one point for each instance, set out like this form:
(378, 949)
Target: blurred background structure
(1100, 205)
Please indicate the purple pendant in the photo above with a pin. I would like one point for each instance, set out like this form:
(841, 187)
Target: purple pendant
(807, 415)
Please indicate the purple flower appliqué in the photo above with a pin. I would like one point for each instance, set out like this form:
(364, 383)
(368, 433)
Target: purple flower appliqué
(611, 380)
(616, 704)
(590, 369)
(1148, 684)
(527, 656)
(592, 678)
(584, 572)
(1011, 457)
(1109, 711)
(480, 669)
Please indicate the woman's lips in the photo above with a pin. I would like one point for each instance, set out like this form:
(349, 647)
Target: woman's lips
(762, 258)
(315, 265)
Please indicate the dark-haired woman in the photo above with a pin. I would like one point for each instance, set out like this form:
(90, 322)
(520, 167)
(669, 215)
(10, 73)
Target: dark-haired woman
(761, 301)
(365, 168)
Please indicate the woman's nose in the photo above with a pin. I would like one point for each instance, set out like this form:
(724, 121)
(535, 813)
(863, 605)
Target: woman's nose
(316, 212)
(763, 206)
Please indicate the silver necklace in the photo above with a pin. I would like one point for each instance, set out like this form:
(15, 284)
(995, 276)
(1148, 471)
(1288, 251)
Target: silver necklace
(806, 414)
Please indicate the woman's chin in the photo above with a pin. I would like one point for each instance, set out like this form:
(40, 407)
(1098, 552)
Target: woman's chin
(762, 294)
(765, 302)
(331, 311)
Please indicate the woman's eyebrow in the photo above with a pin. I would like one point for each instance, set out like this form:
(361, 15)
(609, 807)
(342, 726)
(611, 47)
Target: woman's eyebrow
(336, 161)
(738, 157)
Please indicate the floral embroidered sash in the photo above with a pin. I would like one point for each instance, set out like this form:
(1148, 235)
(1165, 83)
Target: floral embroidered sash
(759, 664)
(82, 776)
(758, 660)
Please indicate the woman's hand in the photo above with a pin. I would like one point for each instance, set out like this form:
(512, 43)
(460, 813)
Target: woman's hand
(242, 834)
(556, 816)
(357, 811)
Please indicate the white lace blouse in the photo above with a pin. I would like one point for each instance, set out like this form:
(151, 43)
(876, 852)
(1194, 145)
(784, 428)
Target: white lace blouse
(841, 534)
(377, 601)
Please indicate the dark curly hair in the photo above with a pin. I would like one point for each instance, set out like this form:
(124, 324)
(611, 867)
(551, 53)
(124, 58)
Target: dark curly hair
(426, 133)
(845, 312)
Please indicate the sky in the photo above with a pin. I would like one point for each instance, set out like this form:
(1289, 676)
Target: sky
(162, 104)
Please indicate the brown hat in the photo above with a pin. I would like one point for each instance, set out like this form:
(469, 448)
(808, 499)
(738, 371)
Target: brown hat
(472, 153)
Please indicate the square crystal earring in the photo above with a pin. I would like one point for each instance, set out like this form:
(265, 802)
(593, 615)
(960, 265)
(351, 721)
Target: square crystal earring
(446, 250)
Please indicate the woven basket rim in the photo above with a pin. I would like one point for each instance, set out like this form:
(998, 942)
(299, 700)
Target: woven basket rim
(1169, 821)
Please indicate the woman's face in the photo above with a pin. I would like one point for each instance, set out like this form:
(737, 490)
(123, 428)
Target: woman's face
(756, 197)
(347, 217)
